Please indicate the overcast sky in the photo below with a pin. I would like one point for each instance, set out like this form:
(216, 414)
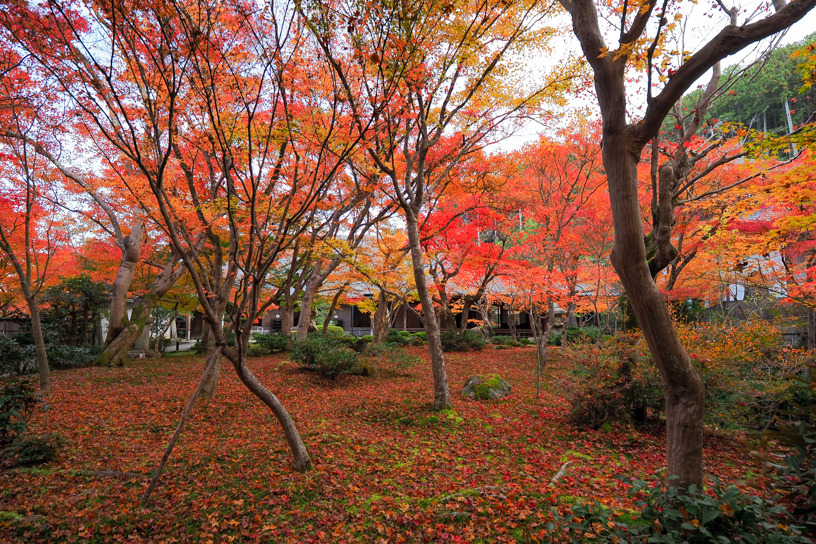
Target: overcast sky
(703, 28)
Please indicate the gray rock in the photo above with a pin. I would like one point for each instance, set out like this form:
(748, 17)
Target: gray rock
(486, 388)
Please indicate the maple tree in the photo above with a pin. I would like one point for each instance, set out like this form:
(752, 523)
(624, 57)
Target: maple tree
(230, 178)
(556, 184)
(447, 88)
(624, 139)
(383, 264)
(466, 238)
(32, 232)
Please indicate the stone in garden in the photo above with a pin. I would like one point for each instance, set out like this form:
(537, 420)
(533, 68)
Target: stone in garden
(486, 388)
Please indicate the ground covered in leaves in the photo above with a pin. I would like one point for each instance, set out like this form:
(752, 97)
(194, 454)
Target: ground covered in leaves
(386, 467)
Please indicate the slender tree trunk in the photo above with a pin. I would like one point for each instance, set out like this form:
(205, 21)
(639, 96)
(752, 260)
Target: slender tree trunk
(309, 292)
(287, 318)
(301, 461)
(441, 392)
(467, 303)
(379, 319)
(39, 344)
(333, 306)
(682, 384)
(511, 322)
(83, 335)
(811, 329)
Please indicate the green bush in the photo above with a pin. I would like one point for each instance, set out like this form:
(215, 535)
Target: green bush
(394, 337)
(667, 515)
(575, 335)
(273, 342)
(617, 382)
(33, 450)
(422, 335)
(17, 402)
(794, 436)
(326, 355)
(469, 341)
(367, 338)
(63, 357)
(16, 359)
(505, 341)
(355, 343)
(334, 330)
(255, 350)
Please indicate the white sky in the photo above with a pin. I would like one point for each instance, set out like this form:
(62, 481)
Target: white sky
(702, 27)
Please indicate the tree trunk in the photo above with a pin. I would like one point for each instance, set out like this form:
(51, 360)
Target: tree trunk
(682, 384)
(121, 284)
(301, 461)
(309, 291)
(211, 381)
(287, 318)
(811, 329)
(511, 322)
(441, 393)
(83, 335)
(333, 306)
(213, 372)
(379, 321)
(116, 347)
(115, 352)
(39, 345)
(467, 303)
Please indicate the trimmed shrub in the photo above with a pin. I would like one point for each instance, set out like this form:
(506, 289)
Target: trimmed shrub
(506, 341)
(325, 355)
(272, 342)
(576, 335)
(257, 351)
(469, 341)
(394, 337)
(64, 357)
(667, 515)
(334, 330)
(357, 344)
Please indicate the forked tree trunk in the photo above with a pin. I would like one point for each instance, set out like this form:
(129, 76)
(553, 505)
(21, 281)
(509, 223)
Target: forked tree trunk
(682, 384)
(442, 399)
(117, 346)
(316, 279)
(131, 250)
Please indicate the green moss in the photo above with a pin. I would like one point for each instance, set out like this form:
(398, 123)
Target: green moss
(488, 382)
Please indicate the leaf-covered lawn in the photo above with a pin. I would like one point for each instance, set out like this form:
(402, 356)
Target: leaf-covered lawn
(386, 467)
